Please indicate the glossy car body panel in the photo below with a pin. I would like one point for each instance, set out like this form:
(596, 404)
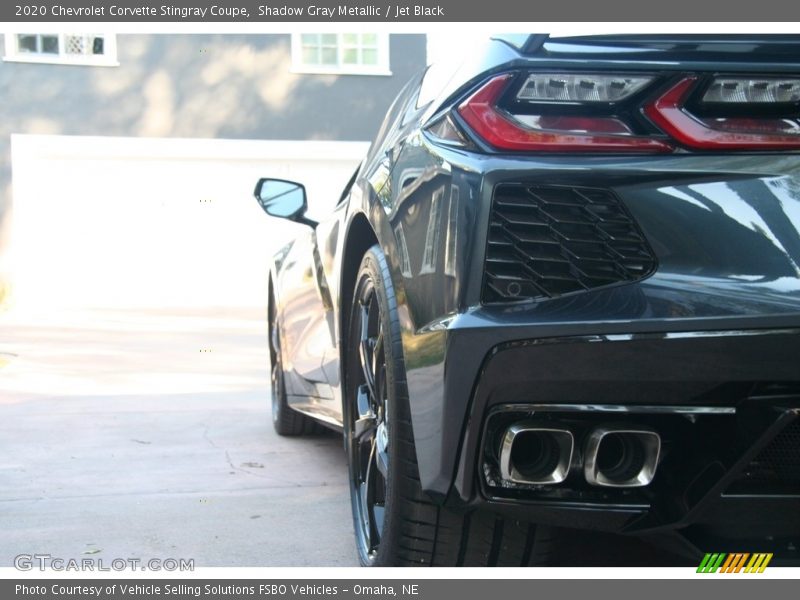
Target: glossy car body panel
(724, 229)
(722, 307)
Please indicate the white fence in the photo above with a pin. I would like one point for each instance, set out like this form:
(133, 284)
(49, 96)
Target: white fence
(134, 222)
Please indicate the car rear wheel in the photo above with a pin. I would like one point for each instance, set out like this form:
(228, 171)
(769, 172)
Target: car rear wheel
(286, 421)
(395, 523)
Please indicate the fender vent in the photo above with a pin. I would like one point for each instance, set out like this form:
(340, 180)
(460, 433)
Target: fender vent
(547, 241)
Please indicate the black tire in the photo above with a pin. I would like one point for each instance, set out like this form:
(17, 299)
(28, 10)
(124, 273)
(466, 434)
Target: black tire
(395, 523)
(286, 421)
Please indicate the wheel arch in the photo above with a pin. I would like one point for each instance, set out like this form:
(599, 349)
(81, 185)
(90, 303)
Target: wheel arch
(272, 308)
(360, 237)
(270, 299)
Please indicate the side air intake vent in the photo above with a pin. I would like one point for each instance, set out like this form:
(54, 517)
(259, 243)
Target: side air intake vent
(546, 241)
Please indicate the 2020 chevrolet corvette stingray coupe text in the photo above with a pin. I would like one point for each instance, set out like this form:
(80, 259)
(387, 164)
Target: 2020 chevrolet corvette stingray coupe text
(561, 291)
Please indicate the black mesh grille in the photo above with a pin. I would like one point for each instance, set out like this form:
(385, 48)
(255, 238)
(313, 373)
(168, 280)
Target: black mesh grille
(545, 241)
(776, 468)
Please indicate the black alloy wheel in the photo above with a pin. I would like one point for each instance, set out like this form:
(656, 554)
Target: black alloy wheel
(396, 523)
(368, 436)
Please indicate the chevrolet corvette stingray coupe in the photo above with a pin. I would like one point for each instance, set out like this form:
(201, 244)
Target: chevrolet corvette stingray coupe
(560, 293)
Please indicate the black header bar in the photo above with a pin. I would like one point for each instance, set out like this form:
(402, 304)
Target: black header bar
(392, 11)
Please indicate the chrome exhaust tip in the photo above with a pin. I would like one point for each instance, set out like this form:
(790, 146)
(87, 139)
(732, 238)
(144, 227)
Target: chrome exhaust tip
(534, 453)
(621, 457)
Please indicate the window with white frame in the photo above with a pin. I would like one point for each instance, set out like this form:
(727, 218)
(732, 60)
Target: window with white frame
(341, 53)
(62, 48)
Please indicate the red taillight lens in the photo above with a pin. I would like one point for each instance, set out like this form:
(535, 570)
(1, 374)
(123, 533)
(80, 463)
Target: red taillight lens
(582, 125)
(548, 133)
(704, 133)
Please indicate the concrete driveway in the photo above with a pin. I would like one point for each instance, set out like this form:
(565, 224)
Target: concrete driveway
(146, 434)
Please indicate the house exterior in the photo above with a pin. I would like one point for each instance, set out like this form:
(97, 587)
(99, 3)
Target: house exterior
(203, 98)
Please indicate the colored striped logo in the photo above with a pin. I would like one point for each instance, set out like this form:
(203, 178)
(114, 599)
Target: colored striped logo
(734, 563)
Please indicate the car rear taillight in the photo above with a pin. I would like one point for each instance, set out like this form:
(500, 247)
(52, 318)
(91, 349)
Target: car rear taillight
(582, 88)
(750, 90)
(545, 114)
(710, 125)
(618, 112)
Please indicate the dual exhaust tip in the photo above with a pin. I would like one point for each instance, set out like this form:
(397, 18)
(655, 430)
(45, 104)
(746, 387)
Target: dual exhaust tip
(613, 456)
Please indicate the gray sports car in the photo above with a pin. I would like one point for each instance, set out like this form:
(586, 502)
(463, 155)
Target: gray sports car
(561, 291)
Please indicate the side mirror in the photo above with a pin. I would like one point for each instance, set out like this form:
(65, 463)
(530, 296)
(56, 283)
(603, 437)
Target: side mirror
(283, 199)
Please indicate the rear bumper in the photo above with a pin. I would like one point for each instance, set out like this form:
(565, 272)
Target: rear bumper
(485, 363)
(716, 324)
(718, 398)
